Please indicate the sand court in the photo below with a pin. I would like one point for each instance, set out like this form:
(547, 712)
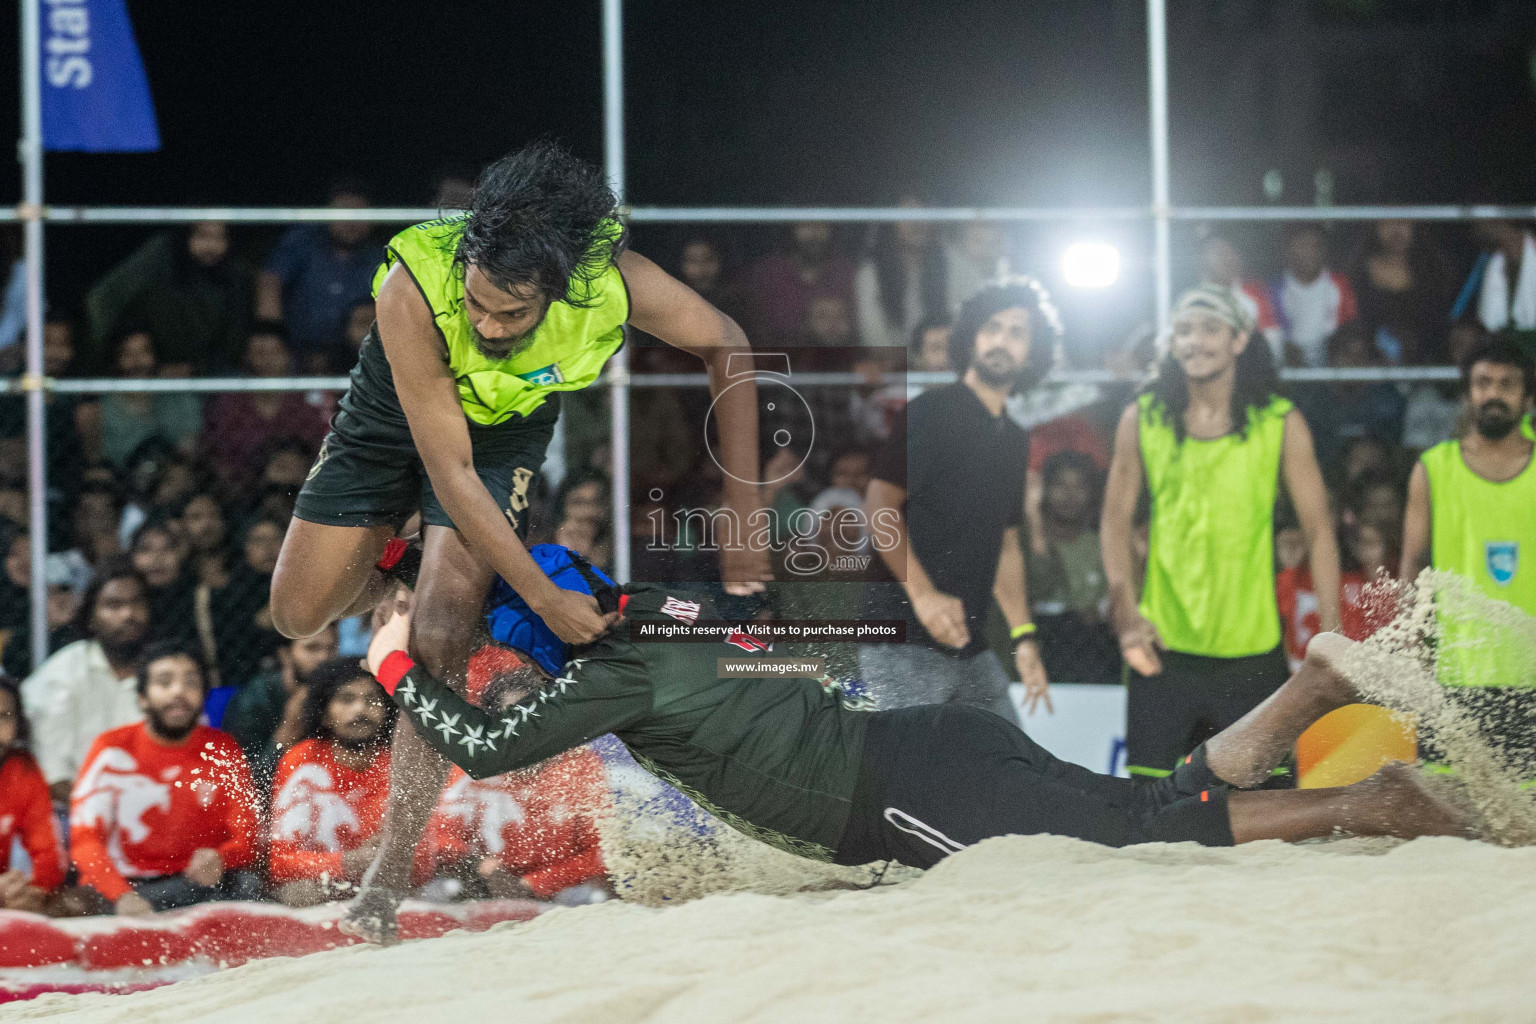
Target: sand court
(1036, 928)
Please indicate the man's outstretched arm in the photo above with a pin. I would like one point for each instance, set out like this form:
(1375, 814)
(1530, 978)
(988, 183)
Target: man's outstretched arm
(665, 307)
(577, 707)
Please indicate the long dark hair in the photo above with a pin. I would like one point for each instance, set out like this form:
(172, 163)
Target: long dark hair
(891, 277)
(120, 568)
(1045, 328)
(1254, 387)
(322, 684)
(534, 221)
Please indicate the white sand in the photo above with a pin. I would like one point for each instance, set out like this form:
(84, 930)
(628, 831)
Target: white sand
(1039, 929)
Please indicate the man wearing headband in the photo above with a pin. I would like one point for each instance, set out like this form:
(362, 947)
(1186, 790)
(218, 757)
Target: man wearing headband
(1212, 442)
(798, 764)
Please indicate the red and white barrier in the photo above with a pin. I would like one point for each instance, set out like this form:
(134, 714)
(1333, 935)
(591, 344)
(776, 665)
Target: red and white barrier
(118, 954)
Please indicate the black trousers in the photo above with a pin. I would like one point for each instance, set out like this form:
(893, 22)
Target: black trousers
(940, 778)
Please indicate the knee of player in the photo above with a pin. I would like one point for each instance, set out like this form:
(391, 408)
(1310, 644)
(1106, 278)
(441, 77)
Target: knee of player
(440, 642)
(294, 619)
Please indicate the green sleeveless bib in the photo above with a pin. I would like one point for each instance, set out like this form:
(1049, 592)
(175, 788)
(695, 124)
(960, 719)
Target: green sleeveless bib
(1486, 532)
(566, 353)
(1210, 585)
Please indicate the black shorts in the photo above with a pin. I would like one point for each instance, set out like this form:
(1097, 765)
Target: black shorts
(1504, 716)
(940, 778)
(1191, 700)
(368, 473)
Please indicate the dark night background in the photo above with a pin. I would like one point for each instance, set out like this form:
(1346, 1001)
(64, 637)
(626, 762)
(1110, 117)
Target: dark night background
(973, 101)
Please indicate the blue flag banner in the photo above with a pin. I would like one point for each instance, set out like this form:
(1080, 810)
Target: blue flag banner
(95, 96)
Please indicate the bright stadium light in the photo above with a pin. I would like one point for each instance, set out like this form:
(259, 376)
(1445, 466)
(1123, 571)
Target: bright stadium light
(1091, 265)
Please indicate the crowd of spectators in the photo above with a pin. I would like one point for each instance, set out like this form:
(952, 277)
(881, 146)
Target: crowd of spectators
(166, 511)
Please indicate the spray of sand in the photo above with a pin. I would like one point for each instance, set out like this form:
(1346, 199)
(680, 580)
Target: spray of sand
(1443, 623)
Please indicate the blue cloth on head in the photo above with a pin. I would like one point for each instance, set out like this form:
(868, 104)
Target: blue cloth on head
(512, 623)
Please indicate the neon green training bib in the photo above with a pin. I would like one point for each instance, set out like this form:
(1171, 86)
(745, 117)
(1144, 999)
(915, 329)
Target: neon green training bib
(566, 353)
(1486, 532)
(1210, 585)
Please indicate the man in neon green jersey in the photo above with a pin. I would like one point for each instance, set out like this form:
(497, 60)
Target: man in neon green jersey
(1212, 441)
(1472, 511)
(483, 319)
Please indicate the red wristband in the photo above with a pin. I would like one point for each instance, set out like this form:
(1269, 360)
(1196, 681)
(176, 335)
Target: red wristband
(393, 549)
(393, 670)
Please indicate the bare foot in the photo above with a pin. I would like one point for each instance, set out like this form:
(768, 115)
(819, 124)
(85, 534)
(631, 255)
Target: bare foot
(1398, 801)
(371, 916)
(1327, 655)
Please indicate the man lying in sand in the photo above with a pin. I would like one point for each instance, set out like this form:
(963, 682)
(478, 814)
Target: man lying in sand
(795, 763)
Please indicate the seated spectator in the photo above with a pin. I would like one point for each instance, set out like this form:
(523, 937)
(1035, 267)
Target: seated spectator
(777, 290)
(202, 525)
(26, 813)
(702, 267)
(1376, 499)
(243, 426)
(359, 324)
(1068, 591)
(1368, 555)
(314, 277)
(66, 456)
(1403, 289)
(240, 623)
(189, 290)
(526, 834)
(928, 350)
(1339, 411)
(1432, 412)
(1070, 433)
(159, 555)
(1221, 266)
(1366, 454)
(161, 815)
(64, 583)
(1501, 290)
(1310, 300)
(973, 260)
(266, 716)
(288, 464)
(900, 283)
(829, 323)
(113, 428)
(94, 526)
(331, 789)
(88, 687)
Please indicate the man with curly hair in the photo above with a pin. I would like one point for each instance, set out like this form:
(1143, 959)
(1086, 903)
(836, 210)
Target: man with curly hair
(483, 319)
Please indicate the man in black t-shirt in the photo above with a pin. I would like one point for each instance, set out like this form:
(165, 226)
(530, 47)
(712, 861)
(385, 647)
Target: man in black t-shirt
(952, 479)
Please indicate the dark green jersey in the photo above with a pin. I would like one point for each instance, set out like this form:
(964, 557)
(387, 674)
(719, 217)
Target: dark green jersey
(777, 759)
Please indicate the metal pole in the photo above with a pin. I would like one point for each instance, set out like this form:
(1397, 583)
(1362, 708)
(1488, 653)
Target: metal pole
(618, 366)
(1157, 73)
(31, 153)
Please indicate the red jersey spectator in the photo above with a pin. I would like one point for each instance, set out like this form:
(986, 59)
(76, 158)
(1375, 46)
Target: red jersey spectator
(529, 833)
(26, 813)
(162, 814)
(240, 428)
(1311, 300)
(331, 789)
(1364, 606)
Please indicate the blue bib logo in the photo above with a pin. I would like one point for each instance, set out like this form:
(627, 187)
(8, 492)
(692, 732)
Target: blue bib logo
(544, 377)
(1503, 558)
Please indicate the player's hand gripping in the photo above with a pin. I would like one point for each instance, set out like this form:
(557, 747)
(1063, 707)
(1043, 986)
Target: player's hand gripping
(943, 616)
(1037, 688)
(575, 617)
(389, 636)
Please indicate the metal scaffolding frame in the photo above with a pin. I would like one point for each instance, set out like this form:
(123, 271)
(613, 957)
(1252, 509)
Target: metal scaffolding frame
(34, 215)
